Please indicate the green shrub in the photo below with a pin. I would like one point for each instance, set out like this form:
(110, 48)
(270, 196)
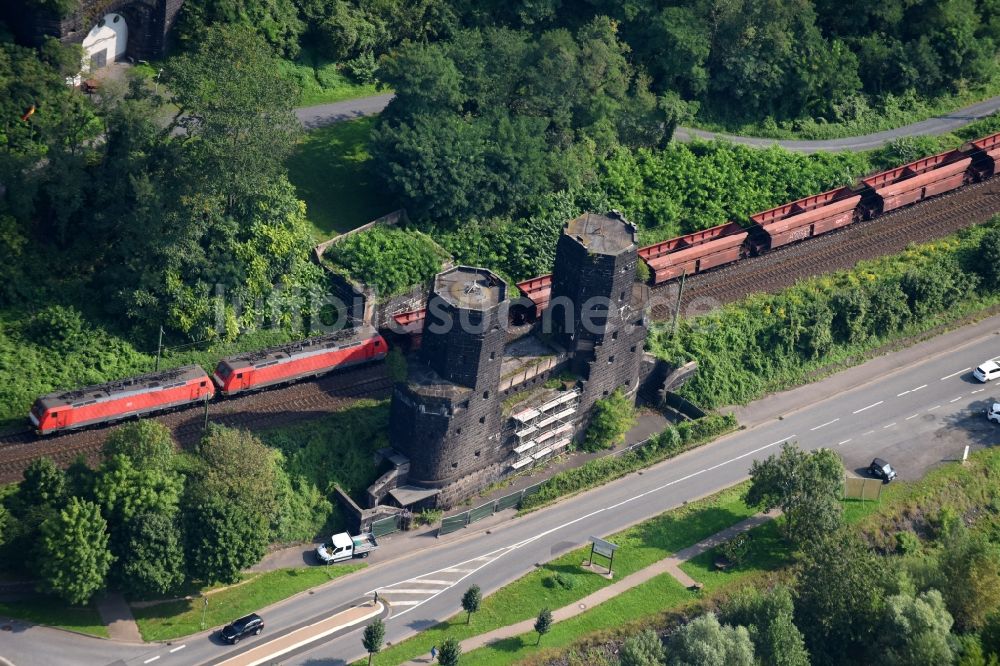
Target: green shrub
(389, 259)
(907, 543)
(610, 419)
(428, 516)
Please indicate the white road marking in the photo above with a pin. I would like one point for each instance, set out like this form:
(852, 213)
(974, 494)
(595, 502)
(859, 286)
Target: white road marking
(912, 417)
(843, 442)
(979, 390)
(900, 395)
(922, 386)
(955, 373)
(410, 602)
(399, 590)
(179, 647)
(500, 552)
(431, 582)
(931, 409)
(867, 433)
(888, 426)
(874, 404)
(824, 425)
(149, 661)
(956, 399)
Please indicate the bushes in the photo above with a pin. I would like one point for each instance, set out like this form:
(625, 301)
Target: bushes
(391, 260)
(609, 421)
(770, 340)
(671, 442)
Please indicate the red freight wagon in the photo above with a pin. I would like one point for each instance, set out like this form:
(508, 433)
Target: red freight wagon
(117, 400)
(808, 217)
(988, 155)
(695, 252)
(308, 358)
(916, 181)
(538, 290)
(411, 324)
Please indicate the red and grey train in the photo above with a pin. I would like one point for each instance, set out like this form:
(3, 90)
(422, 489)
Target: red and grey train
(160, 391)
(690, 254)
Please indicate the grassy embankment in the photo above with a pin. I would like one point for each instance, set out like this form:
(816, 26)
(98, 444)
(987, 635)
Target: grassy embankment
(173, 619)
(56, 613)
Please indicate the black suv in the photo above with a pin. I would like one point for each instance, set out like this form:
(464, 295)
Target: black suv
(237, 629)
(882, 470)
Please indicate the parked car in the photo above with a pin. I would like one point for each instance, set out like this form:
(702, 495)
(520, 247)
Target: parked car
(987, 371)
(882, 470)
(246, 625)
(993, 412)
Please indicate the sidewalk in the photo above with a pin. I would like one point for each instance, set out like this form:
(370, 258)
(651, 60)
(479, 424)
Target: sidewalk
(116, 613)
(670, 565)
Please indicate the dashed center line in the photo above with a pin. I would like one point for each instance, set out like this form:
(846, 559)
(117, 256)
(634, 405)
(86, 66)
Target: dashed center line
(955, 373)
(912, 417)
(179, 647)
(150, 661)
(979, 390)
(956, 399)
(867, 433)
(843, 442)
(900, 395)
(824, 424)
(931, 409)
(874, 404)
(922, 386)
(888, 426)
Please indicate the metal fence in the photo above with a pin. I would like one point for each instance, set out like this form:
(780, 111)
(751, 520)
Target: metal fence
(862, 489)
(466, 518)
(384, 526)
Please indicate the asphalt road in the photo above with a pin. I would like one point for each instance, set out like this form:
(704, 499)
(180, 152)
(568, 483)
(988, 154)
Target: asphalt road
(916, 408)
(325, 114)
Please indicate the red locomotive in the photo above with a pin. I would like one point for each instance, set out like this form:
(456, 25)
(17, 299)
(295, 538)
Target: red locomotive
(307, 358)
(105, 403)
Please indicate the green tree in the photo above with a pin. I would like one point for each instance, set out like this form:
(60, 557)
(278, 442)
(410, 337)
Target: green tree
(44, 485)
(768, 616)
(971, 587)
(642, 649)
(221, 539)
(986, 262)
(806, 487)
(74, 548)
(152, 562)
(916, 630)
(147, 444)
(276, 21)
(704, 642)
(610, 419)
(373, 638)
(123, 491)
(450, 652)
(543, 623)
(837, 599)
(471, 600)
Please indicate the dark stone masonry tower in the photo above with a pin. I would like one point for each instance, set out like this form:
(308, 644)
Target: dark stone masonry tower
(597, 308)
(445, 418)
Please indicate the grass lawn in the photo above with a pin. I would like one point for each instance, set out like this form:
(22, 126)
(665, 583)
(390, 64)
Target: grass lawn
(56, 613)
(173, 619)
(639, 602)
(332, 172)
(640, 546)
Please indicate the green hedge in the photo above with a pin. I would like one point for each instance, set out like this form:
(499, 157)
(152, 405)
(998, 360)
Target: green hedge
(673, 441)
(390, 260)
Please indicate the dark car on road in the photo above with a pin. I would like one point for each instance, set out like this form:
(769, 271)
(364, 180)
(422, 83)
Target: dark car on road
(882, 470)
(237, 629)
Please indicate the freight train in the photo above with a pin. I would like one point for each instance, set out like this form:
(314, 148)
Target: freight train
(181, 387)
(668, 260)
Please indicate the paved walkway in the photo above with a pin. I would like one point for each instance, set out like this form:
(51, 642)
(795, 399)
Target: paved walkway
(312, 117)
(117, 615)
(670, 565)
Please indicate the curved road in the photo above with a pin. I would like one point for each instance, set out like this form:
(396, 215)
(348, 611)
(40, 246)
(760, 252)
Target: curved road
(312, 117)
(916, 408)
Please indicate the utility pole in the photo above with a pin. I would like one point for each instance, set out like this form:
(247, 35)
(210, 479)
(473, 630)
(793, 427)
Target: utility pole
(677, 308)
(159, 348)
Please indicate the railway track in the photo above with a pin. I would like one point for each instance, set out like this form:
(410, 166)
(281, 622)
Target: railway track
(256, 411)
(831, 252)
(773, 271)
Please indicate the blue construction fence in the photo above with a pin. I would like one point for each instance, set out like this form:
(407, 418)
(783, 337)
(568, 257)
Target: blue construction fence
(466, 518)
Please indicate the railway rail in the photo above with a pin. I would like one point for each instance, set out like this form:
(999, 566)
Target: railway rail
(838, 250)
(277, 407)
